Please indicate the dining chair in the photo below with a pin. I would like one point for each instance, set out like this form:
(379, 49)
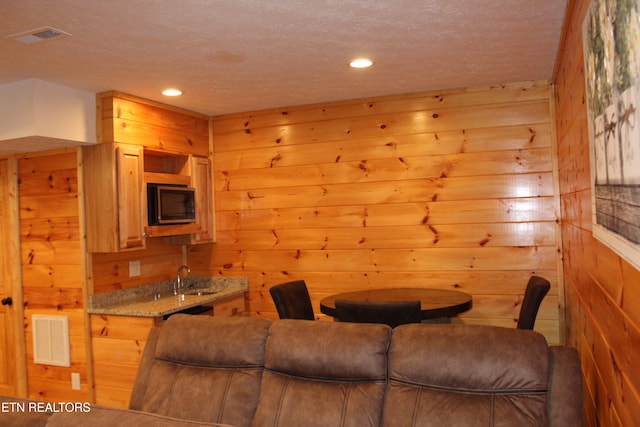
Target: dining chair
(389, 313)
(537, 288)
(292, 300)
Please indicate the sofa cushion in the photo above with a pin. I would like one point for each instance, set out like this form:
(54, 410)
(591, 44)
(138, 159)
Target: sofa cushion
(466, 375)
(323, 374)
(204, 369)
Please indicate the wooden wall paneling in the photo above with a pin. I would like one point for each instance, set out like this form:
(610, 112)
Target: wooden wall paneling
(509, 210)
(129, 107)
(441, 120)
(158, 262)
(509, 138)
(403, 191)
(417, 102)
(129, 119)
(419, 167)
(452, 189)
(403, 259)
(630, 300)
(446, 235)
(117, 344)
(52, 265)
(603, 320)
(230, 307)
(560, 303)
(87, 284)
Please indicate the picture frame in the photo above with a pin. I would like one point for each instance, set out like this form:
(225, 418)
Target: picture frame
(611, 42)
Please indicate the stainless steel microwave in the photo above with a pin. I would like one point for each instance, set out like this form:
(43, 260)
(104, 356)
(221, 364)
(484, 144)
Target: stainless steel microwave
(170, 204)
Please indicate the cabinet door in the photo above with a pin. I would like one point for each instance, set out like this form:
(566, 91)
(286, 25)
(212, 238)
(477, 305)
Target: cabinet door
(132, 205)
(201, 180)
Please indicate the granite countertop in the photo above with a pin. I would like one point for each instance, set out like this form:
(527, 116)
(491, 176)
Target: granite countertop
(158, 299)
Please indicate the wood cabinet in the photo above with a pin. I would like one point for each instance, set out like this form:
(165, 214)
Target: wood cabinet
(201, 180)
(115, 200)
(140, 142)
(115, 196)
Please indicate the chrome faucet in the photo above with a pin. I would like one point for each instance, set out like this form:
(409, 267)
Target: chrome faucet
(179, 279)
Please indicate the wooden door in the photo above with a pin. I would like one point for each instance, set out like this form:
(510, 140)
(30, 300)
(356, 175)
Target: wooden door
(131, 203)
(13, 368)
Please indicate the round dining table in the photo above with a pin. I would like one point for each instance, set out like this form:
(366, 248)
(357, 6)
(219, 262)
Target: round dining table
(435, 303)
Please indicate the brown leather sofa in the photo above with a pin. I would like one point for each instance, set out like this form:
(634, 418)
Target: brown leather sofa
(250, 372)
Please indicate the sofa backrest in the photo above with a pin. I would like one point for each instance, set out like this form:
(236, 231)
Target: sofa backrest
(323, 374)
(203, 368)
(467, 375)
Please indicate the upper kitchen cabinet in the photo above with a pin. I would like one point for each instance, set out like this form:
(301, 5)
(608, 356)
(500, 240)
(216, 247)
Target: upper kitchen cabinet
(115, 206)
(141, 142)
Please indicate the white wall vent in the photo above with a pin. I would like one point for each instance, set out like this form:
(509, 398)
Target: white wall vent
(37, 35)
(51, 340)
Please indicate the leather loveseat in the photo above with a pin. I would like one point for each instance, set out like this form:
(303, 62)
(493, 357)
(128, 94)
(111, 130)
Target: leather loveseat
(199, 370)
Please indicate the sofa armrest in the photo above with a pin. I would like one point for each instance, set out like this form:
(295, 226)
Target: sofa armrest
(108, 417)
(566, 397)
(139, 386)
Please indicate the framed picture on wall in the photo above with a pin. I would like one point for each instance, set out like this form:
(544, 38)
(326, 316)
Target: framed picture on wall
(611, 40)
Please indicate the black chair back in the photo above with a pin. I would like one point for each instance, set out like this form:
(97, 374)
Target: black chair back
(389, 313)
(292, 300)
(537, 288)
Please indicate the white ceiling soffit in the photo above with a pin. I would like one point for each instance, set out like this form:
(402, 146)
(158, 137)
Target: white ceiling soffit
(244, 55)
(36, 115)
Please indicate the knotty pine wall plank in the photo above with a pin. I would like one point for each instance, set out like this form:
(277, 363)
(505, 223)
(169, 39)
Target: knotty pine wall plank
(64, 228)
(129, 119)
(117, 105)
(442, 120)
(408, 259)
(602, 292)
(392, 146)
(417, 102)
(370, 237)
(420, 167)
(526, 209)
(390, 192)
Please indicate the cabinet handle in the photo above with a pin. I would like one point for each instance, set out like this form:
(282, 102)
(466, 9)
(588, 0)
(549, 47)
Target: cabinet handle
(7, 301)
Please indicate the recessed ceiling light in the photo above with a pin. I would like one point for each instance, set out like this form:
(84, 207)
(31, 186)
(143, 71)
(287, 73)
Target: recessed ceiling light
(172, 92)
(361, 63)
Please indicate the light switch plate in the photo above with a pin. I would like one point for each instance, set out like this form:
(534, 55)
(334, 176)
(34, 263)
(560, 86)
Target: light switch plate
(134, 268)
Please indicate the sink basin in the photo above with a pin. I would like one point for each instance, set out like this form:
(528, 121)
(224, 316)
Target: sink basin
(200, 292)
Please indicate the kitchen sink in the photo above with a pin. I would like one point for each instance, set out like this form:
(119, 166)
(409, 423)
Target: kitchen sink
(201, 292)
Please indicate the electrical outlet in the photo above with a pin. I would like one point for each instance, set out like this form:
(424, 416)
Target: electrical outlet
(75, 381)
(134, 268)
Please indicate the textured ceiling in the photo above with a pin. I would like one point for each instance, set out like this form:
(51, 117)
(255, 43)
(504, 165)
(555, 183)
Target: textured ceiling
(243, 55)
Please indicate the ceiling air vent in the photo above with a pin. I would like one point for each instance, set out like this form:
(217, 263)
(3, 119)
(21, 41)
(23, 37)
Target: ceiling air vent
(38, 35)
